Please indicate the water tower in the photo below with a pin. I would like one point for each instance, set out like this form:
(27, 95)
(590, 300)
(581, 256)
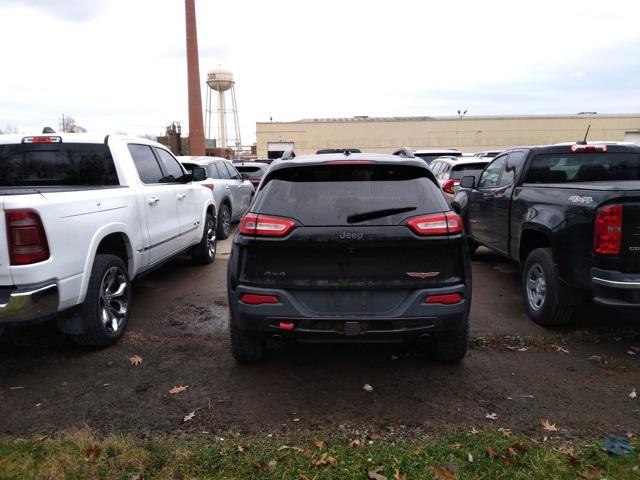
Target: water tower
(221, 80)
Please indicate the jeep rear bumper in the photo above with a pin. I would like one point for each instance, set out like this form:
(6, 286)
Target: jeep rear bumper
(411, 318)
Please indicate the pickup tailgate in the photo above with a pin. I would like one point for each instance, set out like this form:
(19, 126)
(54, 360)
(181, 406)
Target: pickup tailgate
(5, 268)
(631, 231)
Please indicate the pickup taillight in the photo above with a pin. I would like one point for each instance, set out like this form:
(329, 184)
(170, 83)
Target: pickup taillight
(26, 237)
(607, 234)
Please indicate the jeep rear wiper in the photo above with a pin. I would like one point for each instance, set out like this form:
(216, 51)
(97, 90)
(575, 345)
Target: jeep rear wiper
(361, 217)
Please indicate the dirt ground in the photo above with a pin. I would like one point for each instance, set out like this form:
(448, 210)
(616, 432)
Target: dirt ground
(579, 377)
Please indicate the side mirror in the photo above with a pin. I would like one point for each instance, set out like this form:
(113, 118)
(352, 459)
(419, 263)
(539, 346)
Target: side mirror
(198, 174)
(468, 182)
(244, 176)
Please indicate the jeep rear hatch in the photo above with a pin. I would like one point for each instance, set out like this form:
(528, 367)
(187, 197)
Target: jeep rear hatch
(348, 226)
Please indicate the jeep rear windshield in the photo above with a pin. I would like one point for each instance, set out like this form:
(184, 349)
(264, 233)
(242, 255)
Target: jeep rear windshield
(584, 167)
(65, 164)
(343, 194)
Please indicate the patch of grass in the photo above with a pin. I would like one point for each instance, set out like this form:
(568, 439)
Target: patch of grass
(80, 454)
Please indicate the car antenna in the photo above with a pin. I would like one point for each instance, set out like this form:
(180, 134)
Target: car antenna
(584, 142)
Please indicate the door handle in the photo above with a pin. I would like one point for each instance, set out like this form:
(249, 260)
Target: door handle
(153, 200)
(181, 196)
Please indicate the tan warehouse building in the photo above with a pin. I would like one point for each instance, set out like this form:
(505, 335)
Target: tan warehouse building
(468, 134)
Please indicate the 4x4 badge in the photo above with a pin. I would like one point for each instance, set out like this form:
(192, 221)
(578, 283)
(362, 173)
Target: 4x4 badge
(423, 275)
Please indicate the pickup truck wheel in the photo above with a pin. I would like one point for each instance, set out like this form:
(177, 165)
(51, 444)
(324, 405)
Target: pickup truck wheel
(540, 290)
(205, 251)
(246, 348)
(107, 306)
(451, 347)
(224, 222)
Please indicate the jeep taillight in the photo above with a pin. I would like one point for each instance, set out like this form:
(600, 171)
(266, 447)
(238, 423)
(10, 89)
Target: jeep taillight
(26, 237)
(446, 223)
(265, 226)
(607, 236)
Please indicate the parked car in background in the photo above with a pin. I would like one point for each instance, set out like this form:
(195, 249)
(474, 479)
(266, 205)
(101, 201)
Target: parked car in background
(349, 247)
(488, 153)
(430, 155)
(254, 171)
(231, 192)
(449, 171)
(569, 215)
(83, 216)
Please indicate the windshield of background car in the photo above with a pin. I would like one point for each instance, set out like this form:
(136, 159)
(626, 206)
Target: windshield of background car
(459, 171)
(252, 171)
(329, 194)
(429, 157)
(584, 167)
(56, 164)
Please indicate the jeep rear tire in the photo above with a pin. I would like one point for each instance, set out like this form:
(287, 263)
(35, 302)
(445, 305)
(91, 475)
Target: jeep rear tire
(540, 283)
(107, 305)
(451, 347)
(246, 348)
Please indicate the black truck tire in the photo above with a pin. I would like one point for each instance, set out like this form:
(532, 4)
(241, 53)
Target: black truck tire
(540, 290)
(246, 348)
(108, 286)
(451, 347)
(204, 252)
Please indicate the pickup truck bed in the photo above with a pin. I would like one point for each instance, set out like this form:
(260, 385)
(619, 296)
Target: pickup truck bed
(577, 207)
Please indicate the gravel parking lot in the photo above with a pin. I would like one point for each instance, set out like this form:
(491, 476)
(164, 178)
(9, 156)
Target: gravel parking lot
(580, 377)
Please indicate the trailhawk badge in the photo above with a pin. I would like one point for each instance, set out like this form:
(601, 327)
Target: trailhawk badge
(423, 275)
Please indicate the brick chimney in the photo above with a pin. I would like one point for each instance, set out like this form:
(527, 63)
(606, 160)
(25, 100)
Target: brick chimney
(196, 125)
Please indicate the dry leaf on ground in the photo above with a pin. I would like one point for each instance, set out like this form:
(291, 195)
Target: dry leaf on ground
(418, 451)
(319, 443)
(176, 390)
(399, 476)
(374, 436)
(355, 443)
(325, 459)
(456, 446)
(376, 475)
(189, 417)
(470, 457)
(592, 474)
(491, 452)
(135, 360)
(272, 465)
(92, 452)
(549, 427)
(443, 473)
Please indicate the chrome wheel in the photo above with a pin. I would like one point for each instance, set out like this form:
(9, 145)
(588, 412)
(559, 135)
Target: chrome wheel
(211, 238)
(226, 220)
(536, 287)
(114, 299)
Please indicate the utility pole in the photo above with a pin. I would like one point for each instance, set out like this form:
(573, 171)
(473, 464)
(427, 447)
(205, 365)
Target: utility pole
(196, 123)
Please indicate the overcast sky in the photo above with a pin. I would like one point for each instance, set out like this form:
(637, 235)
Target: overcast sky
(119, 65)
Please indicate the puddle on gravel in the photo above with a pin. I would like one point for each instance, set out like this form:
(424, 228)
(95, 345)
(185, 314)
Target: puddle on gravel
(197, 320)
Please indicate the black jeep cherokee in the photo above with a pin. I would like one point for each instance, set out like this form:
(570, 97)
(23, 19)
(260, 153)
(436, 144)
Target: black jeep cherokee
(349, 247)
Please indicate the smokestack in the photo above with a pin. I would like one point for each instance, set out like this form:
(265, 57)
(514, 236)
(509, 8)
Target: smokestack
(196, 126)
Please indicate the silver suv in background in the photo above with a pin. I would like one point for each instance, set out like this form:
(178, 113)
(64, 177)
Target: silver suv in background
(232, 192)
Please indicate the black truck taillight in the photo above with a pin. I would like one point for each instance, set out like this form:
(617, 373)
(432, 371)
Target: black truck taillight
(26, 237)
(607, 235)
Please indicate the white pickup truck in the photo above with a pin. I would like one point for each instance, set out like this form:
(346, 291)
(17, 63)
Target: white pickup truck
(82, 217)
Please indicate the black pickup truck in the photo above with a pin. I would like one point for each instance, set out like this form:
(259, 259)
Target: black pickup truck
(569, 214)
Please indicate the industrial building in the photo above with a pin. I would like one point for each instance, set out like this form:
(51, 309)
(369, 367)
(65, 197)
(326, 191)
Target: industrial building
(466, 133)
